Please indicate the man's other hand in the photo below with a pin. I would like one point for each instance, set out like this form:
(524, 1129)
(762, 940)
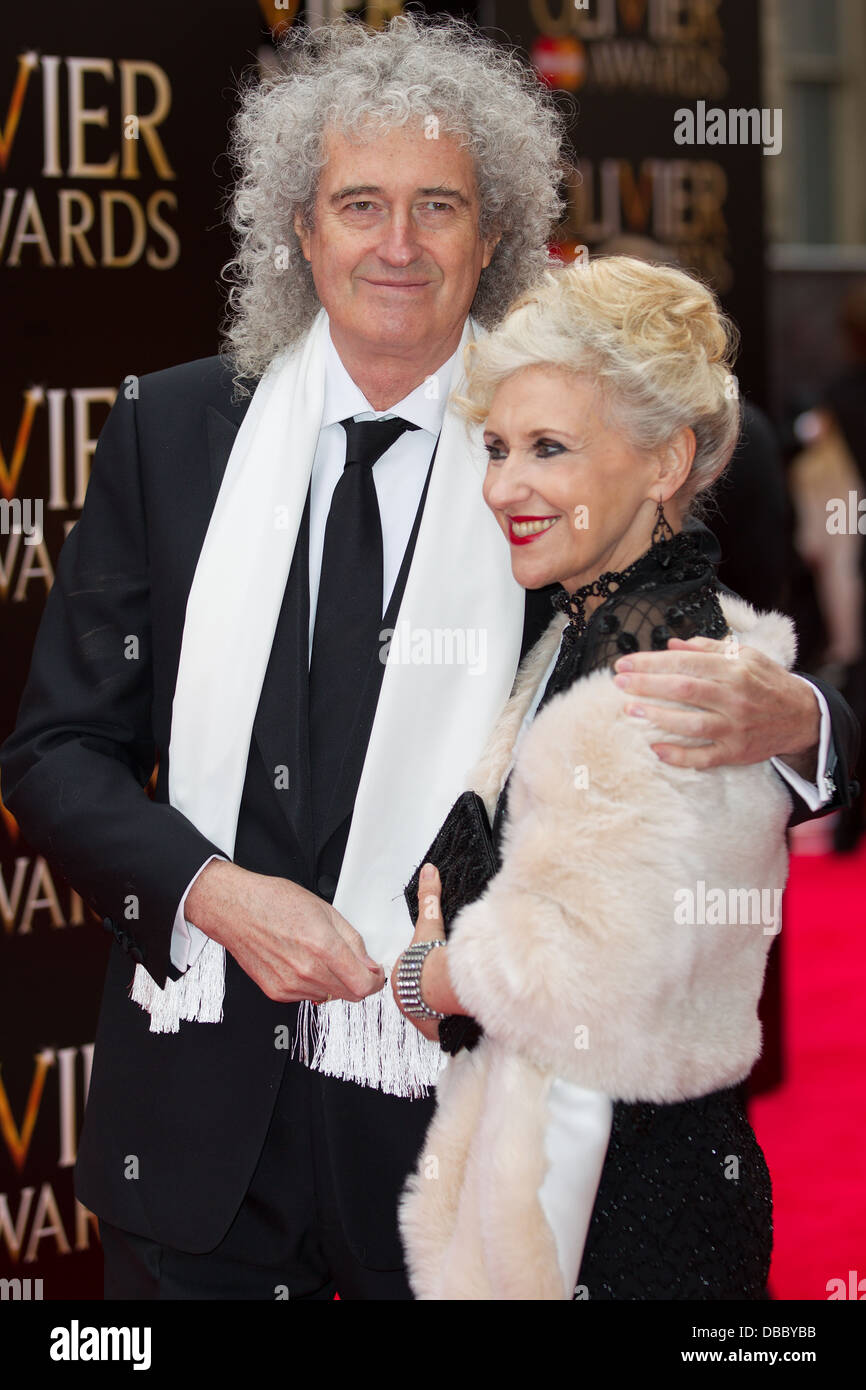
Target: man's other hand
(747, 707)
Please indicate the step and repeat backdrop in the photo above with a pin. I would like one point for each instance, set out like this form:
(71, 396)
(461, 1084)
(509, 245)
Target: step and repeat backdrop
(113, 127)
(669, 136)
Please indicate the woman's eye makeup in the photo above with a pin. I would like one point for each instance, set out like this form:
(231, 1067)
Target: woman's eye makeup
(542, 448)
(546, 448)
(495, 451)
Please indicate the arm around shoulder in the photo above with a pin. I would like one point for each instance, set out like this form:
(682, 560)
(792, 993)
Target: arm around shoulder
(588, 954)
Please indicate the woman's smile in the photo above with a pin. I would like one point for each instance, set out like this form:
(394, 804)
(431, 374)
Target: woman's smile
(523, 529)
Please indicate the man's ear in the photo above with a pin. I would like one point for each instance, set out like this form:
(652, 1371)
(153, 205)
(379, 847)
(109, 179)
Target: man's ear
(302, 232)
(490, 246)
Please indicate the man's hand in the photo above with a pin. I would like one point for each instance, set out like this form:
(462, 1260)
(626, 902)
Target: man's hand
(748, 708)
(294, 945)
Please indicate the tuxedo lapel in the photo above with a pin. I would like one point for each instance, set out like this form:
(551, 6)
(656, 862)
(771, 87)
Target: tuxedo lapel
(281, 727)
(221, 432)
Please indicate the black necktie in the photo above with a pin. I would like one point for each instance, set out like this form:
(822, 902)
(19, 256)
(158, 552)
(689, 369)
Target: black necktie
(349, 604)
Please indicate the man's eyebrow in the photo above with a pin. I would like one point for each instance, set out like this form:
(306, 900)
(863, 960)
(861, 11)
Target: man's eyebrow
(356, 190)
(353, 191)
(442, 192)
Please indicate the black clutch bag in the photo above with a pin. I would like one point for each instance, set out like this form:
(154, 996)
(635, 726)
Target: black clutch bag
(464, 853)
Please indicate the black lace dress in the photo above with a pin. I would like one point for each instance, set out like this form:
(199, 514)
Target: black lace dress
(684, 1206)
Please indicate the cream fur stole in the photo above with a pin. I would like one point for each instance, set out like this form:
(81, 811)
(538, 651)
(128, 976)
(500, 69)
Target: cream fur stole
(592, 957)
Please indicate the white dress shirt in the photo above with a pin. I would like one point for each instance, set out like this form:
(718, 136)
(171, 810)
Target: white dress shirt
(399, 477)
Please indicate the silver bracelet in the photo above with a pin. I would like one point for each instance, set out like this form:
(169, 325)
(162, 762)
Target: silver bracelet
(409, 968)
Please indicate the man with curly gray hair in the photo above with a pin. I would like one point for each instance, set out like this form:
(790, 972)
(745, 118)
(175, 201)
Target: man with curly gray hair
(443, 83)
(319, 638)
(328, 628)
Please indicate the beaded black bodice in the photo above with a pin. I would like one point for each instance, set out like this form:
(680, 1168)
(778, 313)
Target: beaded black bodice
(670, 591)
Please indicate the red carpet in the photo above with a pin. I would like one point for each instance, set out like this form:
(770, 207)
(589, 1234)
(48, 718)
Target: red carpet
(813, 1127)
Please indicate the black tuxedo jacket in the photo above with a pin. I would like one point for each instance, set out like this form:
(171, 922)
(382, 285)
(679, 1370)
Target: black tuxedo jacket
(194, 1106)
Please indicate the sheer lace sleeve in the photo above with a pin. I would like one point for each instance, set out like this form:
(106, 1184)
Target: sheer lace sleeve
(636, 622)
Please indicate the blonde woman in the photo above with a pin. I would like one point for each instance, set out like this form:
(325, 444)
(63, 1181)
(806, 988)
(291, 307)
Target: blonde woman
(606, 949)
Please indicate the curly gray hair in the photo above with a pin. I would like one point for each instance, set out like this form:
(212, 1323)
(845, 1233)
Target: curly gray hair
(345, 76)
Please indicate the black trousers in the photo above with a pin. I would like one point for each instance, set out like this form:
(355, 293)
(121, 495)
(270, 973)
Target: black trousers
(286, 1240)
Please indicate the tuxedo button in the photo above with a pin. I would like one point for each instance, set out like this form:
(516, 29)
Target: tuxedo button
(326, 887)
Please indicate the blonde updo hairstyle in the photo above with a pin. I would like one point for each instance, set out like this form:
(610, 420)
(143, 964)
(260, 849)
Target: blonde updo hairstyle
(652, 338)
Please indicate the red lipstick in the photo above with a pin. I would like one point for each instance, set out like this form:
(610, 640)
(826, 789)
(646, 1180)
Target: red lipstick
(525, 540)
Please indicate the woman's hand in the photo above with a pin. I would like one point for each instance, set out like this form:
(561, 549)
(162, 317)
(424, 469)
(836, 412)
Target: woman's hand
(429, 927)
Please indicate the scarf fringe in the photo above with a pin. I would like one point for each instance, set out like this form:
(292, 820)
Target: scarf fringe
(370, 1043)
(197, 997)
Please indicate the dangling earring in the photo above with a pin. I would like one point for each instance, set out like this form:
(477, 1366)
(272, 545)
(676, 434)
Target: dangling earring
(662, 530)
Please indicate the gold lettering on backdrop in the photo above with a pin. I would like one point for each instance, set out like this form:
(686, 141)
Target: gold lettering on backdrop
(29, 217)
(76, 218)
(130, 72)
(29, 569)
(168, 234)
(9, 475)
(46, 1222)
(9, 900)
(21, 901)
(667, 46)
(26, 63)
(71, 441)
(84, 435)
(110, 256)
(41, 896)
(107, 139)
(43, 1216)
(18, 1142)
(636, 195)
(12, 1232)
(75, 232)
(81, 116)
(678, 202)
